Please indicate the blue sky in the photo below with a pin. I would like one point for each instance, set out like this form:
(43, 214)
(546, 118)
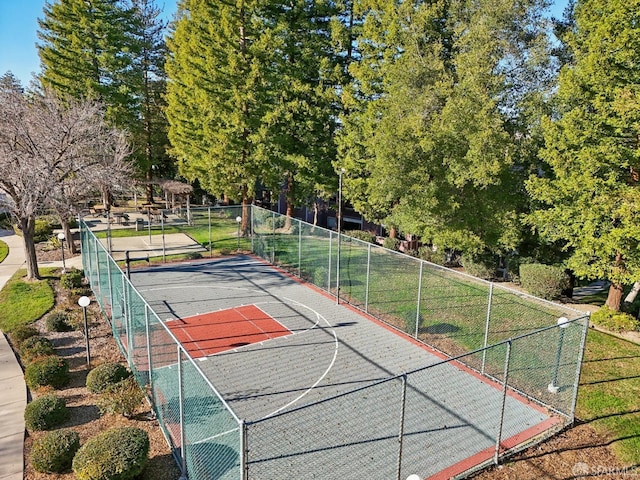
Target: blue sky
(19, 24)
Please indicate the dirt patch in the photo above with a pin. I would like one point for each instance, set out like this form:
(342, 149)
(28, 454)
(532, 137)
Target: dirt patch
(85, 417)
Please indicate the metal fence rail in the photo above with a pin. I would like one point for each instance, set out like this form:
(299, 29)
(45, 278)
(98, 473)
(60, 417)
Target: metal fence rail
(202, 431)
(516, 349)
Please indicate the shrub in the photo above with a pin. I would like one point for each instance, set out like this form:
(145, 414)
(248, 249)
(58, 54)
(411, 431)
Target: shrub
(361, 235)
(439, 257)
(124, 398)
(21, 333)
(546, 281)
(45, 412)
(51, 370)
(58, 321)
(105, 375)
(614, 321)
(43, 230)
(391, 243)
(54, 451)
(34, 347)
(119, 453)
(72, 279)
(480, 266)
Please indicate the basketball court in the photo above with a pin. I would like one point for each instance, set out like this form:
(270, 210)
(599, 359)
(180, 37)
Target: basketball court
(321, 380)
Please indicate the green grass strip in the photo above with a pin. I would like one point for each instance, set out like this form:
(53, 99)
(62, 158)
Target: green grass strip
(24, 301)
(4, 251)
(609, 393)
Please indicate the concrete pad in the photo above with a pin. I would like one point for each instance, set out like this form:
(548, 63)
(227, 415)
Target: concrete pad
(142, 246)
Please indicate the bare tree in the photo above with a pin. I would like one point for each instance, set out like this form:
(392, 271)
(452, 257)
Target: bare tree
(53, 151)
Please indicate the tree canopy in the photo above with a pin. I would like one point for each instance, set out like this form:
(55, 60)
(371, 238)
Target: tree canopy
(588, 197)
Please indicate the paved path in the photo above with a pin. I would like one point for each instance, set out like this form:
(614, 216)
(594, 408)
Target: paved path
(13, 398)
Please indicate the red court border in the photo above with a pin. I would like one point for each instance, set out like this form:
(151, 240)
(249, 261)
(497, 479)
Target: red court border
(482, 456)
(214, 332)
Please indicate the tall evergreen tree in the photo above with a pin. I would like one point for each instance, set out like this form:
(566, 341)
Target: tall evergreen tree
(434, 131)
(301, 118)
(217, 95)
(85, 52)
(150, 131)
(589, 196)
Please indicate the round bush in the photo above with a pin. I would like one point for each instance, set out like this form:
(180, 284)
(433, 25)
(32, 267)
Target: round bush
(546, 281)
(105, 375)
(120, 453)
(54, 451)
(51, 370)
(123, 398)
(21, 333)
(72, 279)
(35, 347)
(45, 412)
(615, 321)
(58, 322)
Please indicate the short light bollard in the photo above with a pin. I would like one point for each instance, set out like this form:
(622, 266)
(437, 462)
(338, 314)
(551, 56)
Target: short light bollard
(563, 322)
(84, 303)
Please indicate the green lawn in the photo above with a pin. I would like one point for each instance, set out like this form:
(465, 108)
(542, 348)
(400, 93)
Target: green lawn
(24, 302)
(609, 393)
(4, 250)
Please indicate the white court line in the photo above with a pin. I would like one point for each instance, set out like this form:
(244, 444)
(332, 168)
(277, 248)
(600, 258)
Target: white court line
(284, 301)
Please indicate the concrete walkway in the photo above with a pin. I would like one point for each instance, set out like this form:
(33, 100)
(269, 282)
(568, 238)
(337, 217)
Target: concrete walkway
(13, 398)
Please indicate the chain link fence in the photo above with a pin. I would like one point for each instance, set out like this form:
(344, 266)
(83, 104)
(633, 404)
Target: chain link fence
(501, 351)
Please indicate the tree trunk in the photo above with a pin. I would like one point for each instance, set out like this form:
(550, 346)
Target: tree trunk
(71, 246)
(28, 227)
(614, 298)
(289, 213)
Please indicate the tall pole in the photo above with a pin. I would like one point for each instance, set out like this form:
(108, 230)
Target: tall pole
(342, 170)
(61, 237)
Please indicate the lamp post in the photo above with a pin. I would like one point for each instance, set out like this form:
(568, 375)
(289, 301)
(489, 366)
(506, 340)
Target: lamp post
(84, 303)
(61, 237)
(340, 173)
(563, 322)
(238, 221)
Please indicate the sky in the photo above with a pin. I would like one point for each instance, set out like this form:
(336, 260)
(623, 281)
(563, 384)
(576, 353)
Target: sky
(19, 24)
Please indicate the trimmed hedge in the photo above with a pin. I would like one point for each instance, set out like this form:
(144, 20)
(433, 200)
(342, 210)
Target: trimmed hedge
(123, 398)
(120, 453)
(72, 279)
(105, 375)
(546, 281)
(361, 235)
(45, 413)
(47, 371)
(54, 451)
(615, 321)
(35, 347)
(21, 333)
(58, 321)
(480, 266)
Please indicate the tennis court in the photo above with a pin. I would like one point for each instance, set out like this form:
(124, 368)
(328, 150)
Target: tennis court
(320, 386)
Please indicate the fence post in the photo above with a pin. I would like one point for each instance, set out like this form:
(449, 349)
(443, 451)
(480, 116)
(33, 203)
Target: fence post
(330, 258)
(183, 455)
(419, 299)
(505, 378)
(87, 258)
(273, 238)
(110, 280)
(366, 292)
(576, 380)
(299, 248)
(338, 270)
(244, 464)
(98, 274)
(164, 259)
(402, 415)
(210, 243)
(486, 328)
(252, 228)
(149, 356)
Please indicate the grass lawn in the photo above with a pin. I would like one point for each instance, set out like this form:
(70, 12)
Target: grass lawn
(4, 250)
(25, 302)
(609, 393)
